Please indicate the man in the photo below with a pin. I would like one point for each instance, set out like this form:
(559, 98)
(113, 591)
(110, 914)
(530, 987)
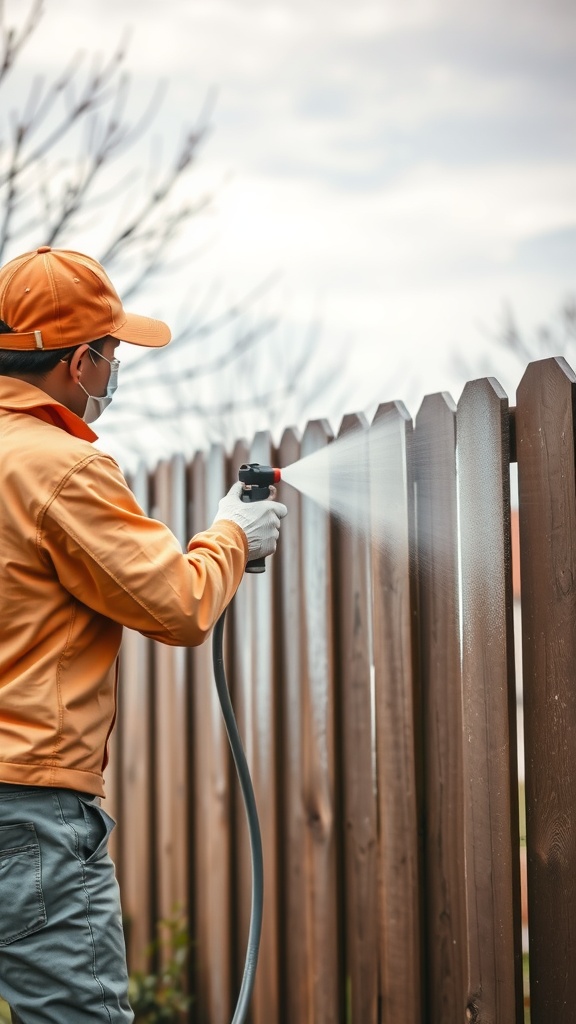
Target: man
(78, 561)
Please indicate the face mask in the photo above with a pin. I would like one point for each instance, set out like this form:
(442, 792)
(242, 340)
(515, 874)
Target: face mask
(96, 404)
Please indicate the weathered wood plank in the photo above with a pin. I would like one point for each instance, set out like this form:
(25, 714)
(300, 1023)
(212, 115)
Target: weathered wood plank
(357, 762)
(494, 962)
(437, 531)
(547, 508)
(397, 715)
(134, 724)
(211, 797)
(323, 890)
(170, 734)
(295, 979)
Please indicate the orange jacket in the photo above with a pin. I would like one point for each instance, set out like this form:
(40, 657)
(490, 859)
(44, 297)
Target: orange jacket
(78, 560)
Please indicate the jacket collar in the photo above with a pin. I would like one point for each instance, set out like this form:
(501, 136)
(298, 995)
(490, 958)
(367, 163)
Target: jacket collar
(19, 396)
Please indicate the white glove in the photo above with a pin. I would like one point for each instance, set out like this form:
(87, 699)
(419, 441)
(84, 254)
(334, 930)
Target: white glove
(260, 520)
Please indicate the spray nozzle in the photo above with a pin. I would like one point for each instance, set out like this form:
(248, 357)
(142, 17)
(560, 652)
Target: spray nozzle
(257, 481)
(252, 474)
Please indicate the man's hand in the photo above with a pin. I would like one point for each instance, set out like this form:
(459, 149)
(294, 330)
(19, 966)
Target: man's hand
(260, 520)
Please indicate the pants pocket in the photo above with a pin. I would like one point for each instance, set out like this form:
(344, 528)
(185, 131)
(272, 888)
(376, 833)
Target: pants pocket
(21, 899)
(99, 826)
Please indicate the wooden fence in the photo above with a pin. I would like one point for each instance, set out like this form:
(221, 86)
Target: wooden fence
(374, 684)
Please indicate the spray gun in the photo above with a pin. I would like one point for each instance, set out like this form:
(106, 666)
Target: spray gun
(257, 481)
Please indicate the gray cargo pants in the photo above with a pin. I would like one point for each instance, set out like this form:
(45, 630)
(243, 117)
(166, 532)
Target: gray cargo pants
(62, 954)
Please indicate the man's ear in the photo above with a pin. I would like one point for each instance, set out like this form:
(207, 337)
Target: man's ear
(75, 362)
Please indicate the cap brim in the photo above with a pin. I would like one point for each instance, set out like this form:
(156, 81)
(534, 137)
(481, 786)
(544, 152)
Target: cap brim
(142, 330)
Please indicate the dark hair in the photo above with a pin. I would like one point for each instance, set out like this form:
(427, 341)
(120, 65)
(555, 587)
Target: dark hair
(37, 362)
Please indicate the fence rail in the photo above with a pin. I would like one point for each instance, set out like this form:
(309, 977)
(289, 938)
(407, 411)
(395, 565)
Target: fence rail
(374, 682)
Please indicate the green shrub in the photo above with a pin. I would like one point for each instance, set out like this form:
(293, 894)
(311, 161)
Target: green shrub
(160, 997)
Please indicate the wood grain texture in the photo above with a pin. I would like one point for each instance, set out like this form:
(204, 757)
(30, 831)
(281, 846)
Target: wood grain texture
(437, 528)
(322, 892)
(491, 836)
(547, 488)
(211, 793)
(357, 761)
(169, 696)
(135, 866)
(397, 707)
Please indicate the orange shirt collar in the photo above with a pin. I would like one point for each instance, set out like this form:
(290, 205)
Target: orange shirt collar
(19, 396)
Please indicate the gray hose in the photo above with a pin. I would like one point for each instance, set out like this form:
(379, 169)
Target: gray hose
(253, 825)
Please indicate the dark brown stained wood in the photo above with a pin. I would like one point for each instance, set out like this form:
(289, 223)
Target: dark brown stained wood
(494, 963)
(437, 527)
(357, 759)
(171, 783)
(322, 895)
(134, 723)
(397, 715)
(547, 508)
(374, 691)
(296, 982)
(211, 799)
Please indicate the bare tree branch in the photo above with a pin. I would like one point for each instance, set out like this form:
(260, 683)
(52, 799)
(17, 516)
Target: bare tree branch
(12, 41)
(58, 153)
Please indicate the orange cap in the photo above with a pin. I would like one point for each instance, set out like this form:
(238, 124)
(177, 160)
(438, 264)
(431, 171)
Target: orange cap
(55, 298)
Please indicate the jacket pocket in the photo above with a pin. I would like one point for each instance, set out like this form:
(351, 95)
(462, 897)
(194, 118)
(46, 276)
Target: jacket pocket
(99, 826)
(21, 899)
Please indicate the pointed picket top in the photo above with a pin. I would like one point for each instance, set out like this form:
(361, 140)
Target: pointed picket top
(317, 434)
(261, 447)
(389, 437)
(388, 409)
(489, 387)
(352, 421)
(289, 450)
(197, 494)
(178, 523)
(434, 406)
(216, 480)
(483, 439)
(435, 476)
(239, 457)
(545, 375)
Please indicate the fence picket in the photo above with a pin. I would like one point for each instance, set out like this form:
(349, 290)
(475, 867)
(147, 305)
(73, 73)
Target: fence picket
(296, 1002)
(211, 797)
(322, 886)
(547, 487)
(494, 985)
(437, 528)
(397, 715)
(170, 703)
(354, 655)
(373, 682)
(134, 723)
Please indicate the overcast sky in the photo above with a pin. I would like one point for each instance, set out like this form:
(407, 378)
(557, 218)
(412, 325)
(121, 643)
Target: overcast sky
(408, 167)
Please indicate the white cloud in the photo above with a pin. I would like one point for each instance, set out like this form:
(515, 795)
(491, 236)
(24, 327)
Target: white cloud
(391, 158)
